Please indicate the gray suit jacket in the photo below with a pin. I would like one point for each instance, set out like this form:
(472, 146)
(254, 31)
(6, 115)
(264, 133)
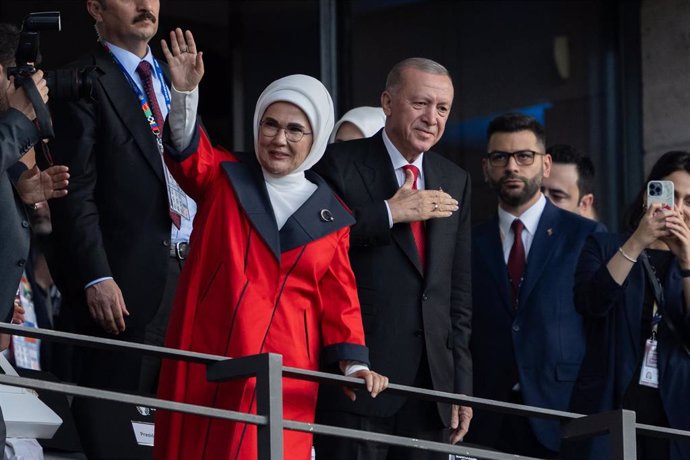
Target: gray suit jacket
(17, 136)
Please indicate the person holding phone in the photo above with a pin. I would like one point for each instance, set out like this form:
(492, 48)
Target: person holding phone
(633, 290)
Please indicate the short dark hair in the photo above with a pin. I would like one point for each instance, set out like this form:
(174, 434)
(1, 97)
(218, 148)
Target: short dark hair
(425, 65)
(667, 164)
(569, 155)
(514, 122)
(9, 39)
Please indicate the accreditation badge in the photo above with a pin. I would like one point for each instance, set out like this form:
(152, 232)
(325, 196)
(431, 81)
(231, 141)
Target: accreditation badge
(649, 374)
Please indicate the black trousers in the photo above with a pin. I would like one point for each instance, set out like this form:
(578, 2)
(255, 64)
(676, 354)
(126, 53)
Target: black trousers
(516, 435)
(646, 402)
(130, 372)
(415, 419)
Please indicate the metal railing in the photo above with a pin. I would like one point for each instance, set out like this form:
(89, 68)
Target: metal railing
(268, 370)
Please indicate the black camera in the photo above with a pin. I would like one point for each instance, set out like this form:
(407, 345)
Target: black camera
(64, 83)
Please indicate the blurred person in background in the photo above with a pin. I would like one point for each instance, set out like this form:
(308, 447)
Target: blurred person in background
(358, 123)
(570, 185)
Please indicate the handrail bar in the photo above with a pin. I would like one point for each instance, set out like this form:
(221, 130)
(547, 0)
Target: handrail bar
(622, 424)
(662, 432)
(317, 376)
(243, 417)
(127, 398)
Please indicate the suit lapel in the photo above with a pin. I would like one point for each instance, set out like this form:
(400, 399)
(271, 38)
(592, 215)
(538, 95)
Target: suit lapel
(547, 236)
(435, 178)
(250, 188)
(376, 170)
(488, 241)
(321, 215)
(128, 109)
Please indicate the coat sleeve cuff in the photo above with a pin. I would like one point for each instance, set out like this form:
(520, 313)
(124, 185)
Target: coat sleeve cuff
(15, 171)
(345, 351)
(181, 155)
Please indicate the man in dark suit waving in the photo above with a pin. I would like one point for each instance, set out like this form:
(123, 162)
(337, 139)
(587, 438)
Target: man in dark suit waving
(122, 235)
(410, 255)
(527, 340)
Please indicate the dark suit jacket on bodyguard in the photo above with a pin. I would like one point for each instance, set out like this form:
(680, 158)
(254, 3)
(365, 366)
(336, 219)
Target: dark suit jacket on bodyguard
(115, 221)
(405, 312)
(543, 338)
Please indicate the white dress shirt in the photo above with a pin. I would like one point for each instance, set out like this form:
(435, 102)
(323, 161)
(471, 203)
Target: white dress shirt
(530, 218)
(399, 161)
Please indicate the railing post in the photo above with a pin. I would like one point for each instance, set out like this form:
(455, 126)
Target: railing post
(619, 424)
(623, 441)
(268, 369)
(269, 402)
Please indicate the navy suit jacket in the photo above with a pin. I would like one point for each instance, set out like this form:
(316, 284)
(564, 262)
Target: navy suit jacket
(541, 342)
(612, 319)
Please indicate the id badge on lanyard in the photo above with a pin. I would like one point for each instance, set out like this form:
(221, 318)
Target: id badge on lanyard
(649, 373)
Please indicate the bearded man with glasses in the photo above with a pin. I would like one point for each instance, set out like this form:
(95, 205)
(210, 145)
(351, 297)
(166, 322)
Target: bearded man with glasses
(527, 339)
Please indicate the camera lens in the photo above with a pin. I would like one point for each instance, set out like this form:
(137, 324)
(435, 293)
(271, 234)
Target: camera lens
(69, 84)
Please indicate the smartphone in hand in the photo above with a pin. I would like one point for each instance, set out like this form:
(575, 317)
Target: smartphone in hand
(660, 191)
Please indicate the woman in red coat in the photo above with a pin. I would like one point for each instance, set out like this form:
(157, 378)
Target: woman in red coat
(268, 270)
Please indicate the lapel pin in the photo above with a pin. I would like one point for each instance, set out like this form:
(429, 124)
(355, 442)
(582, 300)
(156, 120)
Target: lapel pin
(549, 231)
(327, 216)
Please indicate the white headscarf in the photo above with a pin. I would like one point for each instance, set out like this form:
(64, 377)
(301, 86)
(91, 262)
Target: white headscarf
(289, 192)
(369, 120)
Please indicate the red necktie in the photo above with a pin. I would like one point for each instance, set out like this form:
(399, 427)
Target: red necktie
(418, 226)
(144, 70)
(516, 259)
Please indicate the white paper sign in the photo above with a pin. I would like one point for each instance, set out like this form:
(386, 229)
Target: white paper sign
(143, 431)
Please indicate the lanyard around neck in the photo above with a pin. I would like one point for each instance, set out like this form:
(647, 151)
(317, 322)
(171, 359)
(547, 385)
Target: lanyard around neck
(143, 100)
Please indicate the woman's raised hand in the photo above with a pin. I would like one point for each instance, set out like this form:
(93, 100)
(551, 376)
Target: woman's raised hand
(185, 62)
(679, 238)
(652, 226)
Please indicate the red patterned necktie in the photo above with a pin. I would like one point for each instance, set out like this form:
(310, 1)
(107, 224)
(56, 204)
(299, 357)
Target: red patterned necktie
(516, 259)
(418, 226)
(144, 70)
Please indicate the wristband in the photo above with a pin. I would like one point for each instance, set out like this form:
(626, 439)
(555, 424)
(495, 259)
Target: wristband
(685, 273)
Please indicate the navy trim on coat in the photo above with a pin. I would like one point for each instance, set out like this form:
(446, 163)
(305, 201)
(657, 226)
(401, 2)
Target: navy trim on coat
(321, 215)
(345, 351)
